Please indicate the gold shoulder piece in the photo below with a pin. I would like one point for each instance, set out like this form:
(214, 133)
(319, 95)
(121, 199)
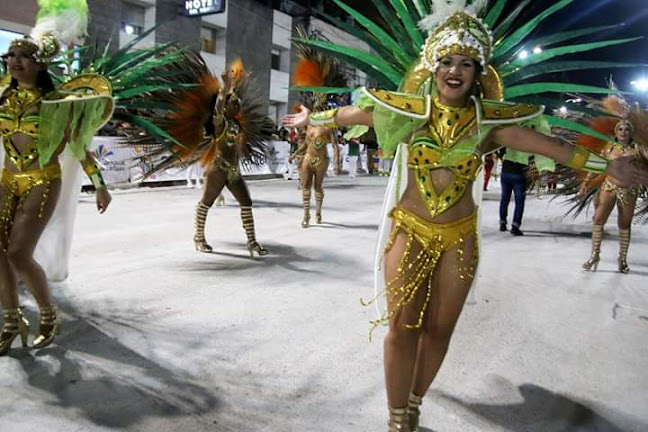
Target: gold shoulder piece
(501, 112)
(402, 103)
(5, 81)
(90, 84)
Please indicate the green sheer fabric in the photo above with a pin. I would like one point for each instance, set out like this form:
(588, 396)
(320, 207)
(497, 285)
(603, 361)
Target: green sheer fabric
(79, 118)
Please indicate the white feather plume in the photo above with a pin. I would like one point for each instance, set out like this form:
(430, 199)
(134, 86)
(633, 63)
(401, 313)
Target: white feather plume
(67, 27)
(442, 9)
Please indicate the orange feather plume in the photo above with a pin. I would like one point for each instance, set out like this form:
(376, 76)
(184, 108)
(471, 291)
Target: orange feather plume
(191, 114)
(604, 125)
(308, 73)
(236, 71)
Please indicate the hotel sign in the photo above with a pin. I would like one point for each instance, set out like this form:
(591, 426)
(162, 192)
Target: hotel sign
(203, 7)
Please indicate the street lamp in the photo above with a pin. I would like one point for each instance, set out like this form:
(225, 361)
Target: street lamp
(641, 84)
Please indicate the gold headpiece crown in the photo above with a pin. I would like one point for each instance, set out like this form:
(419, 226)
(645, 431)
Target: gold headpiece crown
(43, 49)
(624, 122)
(461, 33)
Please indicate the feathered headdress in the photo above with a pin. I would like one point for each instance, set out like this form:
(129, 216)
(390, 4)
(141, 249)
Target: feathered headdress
(58, 24)
(316, 71)
(398, 47)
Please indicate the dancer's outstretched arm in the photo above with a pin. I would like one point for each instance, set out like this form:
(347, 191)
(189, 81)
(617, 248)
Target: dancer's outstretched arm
(628, 170)
(345, 116)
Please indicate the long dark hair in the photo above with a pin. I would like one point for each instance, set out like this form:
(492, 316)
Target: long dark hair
(43, 82)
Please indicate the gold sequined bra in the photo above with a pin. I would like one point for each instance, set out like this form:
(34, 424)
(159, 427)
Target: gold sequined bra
(17, 116)
(443, 145)
(316, 143)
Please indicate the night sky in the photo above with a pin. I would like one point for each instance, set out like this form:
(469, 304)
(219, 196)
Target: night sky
(631, 14)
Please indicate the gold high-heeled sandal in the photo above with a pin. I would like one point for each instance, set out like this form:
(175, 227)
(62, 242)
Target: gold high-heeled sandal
(592, 263)
(623, 266)
(414, 411)
(256, 247)
(624, 245)
(199, 234)
(398, 420)
(15, 324)
(49, 327)
(597, 238)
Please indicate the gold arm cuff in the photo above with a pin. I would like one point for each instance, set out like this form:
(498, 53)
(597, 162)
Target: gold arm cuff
(585, 160)
(324, 118)
(93, 172)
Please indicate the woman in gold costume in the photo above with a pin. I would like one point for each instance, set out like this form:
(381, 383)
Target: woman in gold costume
(431, 245)
(223, 161)
(612, 193)
(316, 70)
(31, 177)
(314, 164)
(221, 126)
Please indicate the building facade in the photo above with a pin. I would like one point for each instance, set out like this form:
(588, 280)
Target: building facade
(247, 29)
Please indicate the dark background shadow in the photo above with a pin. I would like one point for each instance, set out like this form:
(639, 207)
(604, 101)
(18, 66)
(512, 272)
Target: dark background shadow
(545, 411)
(107, 382)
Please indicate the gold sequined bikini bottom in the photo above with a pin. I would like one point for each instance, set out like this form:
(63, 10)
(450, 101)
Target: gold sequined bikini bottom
(416, 268)
(623, 194)
(19, 185)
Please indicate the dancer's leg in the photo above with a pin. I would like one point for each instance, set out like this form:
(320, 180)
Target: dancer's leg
(306, 179)
(214, 183)
(320, 174)
(626, 213)
(239, 189)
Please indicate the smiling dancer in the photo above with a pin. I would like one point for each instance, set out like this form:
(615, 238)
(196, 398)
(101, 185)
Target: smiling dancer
(38, 121)
(443, 114)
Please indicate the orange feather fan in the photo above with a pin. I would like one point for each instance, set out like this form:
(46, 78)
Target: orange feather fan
(188, 121)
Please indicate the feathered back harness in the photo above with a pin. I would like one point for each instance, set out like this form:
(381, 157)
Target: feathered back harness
(194, 111)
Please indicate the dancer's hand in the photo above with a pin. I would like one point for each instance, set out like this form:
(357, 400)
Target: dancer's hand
(629, 171)
(297, 120)
(582, 192)
(103, 200)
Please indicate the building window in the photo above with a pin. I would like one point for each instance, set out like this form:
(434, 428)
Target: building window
(276, 59)
(208, 40)
(132, 18)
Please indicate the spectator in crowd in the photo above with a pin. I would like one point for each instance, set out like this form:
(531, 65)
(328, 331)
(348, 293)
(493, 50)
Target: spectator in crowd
(489, 163)
(353, 153)
(513, 180)
(369, 139)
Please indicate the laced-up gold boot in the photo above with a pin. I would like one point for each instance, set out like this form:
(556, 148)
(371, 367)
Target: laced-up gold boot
(414, 411)
(248, 226)
(624, 245)
(319, 200)
(594, 259)
(15, 324)
(49, 327)
(199, 234)
(306, 197)
(398, 420)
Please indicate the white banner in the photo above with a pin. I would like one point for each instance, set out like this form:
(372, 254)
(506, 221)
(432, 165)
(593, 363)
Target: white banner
(117, 162)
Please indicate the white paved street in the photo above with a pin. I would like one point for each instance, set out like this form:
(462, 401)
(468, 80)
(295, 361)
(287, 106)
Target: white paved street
(157, 337)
